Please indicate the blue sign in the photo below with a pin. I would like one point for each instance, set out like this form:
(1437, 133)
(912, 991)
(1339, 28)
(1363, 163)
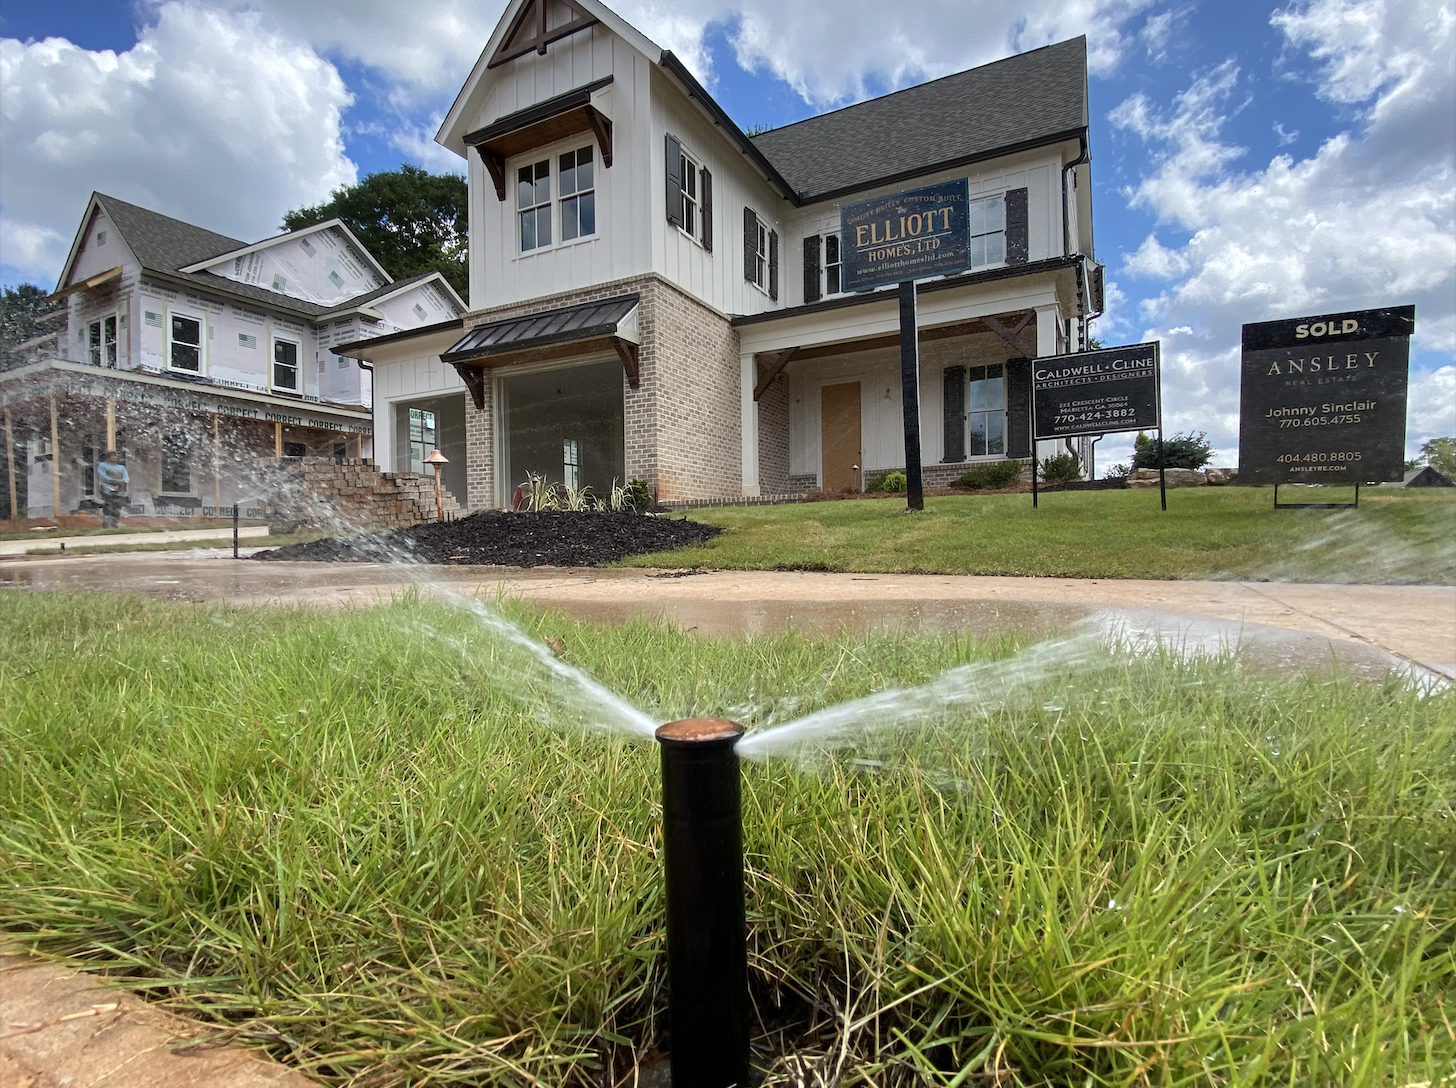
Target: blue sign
(907, 236)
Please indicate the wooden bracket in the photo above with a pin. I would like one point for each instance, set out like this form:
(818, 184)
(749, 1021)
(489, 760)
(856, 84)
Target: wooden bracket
(1011, 336)
(473, 375)
(628, 353)
(601, 126)
(773, 372)
(496, 165)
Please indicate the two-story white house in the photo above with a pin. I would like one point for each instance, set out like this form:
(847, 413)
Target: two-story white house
(195, 354)
(656, 294)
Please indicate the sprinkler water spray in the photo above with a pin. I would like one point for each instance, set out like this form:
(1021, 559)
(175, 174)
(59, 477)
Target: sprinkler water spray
(707, 942)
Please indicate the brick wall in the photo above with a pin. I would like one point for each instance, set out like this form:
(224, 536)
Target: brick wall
(773, 436)
(682, 425)
(321, 494)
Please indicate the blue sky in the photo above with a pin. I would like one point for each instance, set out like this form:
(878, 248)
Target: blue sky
(1201, 223)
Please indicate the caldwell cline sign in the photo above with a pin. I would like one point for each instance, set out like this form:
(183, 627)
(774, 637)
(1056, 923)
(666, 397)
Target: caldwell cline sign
(1096, 392)
(1322, 399)
(906, 236)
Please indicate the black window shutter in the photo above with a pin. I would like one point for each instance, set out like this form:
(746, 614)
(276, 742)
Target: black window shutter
(955, 414)
(1017, 241)
(1018, 408)
(750, 244)
(773, 265)
(706, 193)
(674, 181)
(811, 268)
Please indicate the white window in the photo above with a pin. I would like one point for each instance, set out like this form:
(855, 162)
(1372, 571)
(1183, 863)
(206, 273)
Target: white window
(285, 365)
(758, 273)
(988, 231)
(692, 222)
(184, 343)
(833, 266)
(578, 195)
(108, 341)
(533, 204)
(986, 411)
(176, 469)
(421, 438)
(571, 462)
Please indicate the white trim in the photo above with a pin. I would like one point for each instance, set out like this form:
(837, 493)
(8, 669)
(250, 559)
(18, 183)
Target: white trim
(168, 309)
(552, 153)
(273, 340)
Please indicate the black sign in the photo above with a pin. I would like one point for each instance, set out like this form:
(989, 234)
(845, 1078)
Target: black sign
(1096, 392)
(907, 236)
(1322, 399)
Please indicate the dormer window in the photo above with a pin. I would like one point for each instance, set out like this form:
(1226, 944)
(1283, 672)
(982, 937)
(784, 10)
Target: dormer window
(533, 204)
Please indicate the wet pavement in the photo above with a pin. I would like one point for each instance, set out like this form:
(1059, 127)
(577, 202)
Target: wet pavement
(1370, 624)
(92, 540)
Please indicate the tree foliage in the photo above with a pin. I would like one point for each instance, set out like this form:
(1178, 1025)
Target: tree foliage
(1440, 454)
(20, 311)
(411, 220)
(1181, 451)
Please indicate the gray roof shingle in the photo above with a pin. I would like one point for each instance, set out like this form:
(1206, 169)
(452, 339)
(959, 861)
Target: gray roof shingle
(1014, 102)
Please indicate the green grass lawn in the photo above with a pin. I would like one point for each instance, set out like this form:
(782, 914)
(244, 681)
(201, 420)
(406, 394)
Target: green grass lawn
(373, 842)
(1207, 532)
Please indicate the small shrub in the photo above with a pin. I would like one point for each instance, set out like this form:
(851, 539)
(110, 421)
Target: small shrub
(893, 481)
(538, 494)
(995, 475)
(1118, 471)
(1181, 451)
(1063, 468)
(639, 495)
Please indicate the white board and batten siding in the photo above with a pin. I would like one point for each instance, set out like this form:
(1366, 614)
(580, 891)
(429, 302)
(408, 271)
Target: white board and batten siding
(412, 375)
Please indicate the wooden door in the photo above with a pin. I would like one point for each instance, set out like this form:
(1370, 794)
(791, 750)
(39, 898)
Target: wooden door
(840, 436)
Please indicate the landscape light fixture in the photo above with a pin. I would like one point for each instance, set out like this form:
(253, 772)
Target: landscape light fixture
(707, 942)
(437, 459)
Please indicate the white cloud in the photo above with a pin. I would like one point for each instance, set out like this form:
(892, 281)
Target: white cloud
(1369, 219)
(211, 117)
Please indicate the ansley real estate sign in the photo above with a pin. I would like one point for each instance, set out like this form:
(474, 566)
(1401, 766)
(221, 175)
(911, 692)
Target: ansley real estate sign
(1322, 399)
(906, 236)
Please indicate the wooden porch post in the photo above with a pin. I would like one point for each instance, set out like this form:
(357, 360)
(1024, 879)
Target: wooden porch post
(10, 462)
(110, 424)
(277, 440)
(55, 460)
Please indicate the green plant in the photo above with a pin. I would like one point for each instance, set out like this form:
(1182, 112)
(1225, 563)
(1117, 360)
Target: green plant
(996, 475)
(893, 481)
(1061, 468)
(1181, 451)
(1118, 471)
(639, 496)
(1440, 454)
(577, 498)
(540, 494)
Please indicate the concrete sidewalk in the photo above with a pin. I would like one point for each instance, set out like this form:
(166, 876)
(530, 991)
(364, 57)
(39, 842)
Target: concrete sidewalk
(166, 536)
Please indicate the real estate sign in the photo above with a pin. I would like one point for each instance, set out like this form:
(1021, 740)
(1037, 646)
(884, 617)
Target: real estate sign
(906, 236)
(1322, 399)
(1096, 392)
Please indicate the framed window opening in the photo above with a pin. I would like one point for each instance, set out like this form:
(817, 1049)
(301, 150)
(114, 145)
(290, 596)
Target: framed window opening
(176, 463)
(571, 463)
(286, 377)
(533, 204)
(184, 342)
(988, 231)
(833, 266)
(986, 411)
(577, 189)
(689, 194)
(108, 342)
(93, 343)
(422, 438)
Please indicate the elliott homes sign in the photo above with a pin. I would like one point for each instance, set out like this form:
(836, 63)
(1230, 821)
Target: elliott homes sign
(1322, 399)
(906, 236)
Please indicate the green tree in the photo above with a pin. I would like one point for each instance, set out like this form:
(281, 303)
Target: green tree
(413, 221)
(21, 309)
(1440, 454)
(1180, 451)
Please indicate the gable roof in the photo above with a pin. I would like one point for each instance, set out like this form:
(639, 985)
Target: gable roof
(1023, 101)
(288, 236)
(389, 290)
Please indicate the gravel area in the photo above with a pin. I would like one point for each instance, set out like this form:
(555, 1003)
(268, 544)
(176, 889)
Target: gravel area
(551, 538)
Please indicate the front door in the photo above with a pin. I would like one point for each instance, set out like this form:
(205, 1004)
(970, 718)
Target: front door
(840, 436)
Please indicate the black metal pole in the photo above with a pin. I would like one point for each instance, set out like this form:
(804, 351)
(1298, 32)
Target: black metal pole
(235, 530)
(1033, 474)
(1162, 480)
(707, 943)
(910, 396)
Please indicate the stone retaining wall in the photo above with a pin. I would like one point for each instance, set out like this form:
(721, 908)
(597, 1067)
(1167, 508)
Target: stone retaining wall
(320, 494)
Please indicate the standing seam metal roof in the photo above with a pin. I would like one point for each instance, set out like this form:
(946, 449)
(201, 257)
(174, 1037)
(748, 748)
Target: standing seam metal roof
(1018, 101)
(581, 322)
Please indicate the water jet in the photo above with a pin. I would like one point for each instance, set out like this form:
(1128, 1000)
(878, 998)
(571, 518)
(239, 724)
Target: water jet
(707, 941)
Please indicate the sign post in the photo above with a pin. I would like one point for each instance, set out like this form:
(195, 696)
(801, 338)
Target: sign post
(899, 239)
(1322, 400)
(1098, 392)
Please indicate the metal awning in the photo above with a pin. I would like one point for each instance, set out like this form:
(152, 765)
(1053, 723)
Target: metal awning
(609, 322)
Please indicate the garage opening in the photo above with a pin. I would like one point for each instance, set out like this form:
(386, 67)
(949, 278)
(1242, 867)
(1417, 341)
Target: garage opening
(566, 426)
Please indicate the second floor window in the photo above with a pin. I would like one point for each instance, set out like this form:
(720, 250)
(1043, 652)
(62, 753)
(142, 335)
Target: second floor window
(578, 195)
(988, 231)
(108, 341)
(285, 365)
(833, 266)
(533, 202)
(185, 344)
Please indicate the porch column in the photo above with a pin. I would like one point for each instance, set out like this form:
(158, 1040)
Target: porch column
(10, 461)
(110, 424)
(1046, 344)
(55, 460)
(748, 380)
(216, 467)
(277, 440)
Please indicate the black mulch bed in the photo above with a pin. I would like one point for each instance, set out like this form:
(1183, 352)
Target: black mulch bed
(551, 538)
